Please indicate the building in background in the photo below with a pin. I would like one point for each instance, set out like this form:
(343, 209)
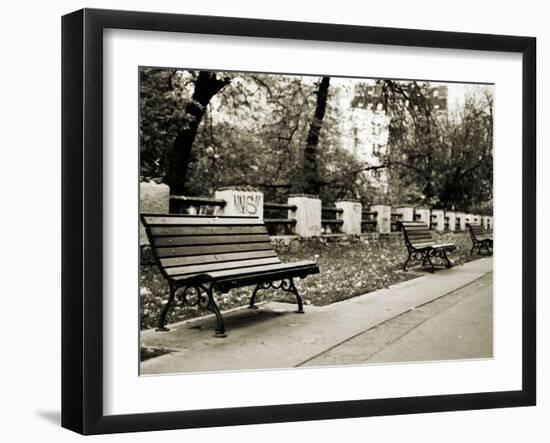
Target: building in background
(364, 124)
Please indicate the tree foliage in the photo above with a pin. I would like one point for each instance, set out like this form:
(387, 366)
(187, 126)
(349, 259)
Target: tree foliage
(164, 94)
(284, 134)
(437, 158)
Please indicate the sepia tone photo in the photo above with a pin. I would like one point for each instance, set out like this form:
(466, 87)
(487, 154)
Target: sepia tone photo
(293, 221)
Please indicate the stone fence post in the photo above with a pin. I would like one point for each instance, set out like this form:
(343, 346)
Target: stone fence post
(307, 214)
(424, 215)
(407, 213)
(351, 216)
(383, 218)
(154, 198)
(241, 202)
(461, 216)
(451, 219)
(439, 219)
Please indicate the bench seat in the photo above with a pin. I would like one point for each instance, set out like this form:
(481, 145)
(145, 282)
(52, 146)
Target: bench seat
(204, 254)
(446, 246)
(248, 270)
(428, 245)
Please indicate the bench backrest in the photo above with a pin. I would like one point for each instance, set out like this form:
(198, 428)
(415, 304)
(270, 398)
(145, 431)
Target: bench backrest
(190, 245)
(476, 230)
(416, 233)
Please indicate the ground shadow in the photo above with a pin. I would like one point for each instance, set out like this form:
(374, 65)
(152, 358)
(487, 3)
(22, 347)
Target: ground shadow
(53, 417)
(241, 318)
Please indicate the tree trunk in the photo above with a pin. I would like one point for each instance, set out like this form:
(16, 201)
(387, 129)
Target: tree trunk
(206, 86)
(311, 179)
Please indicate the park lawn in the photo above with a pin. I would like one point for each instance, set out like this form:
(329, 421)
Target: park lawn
(347, 270)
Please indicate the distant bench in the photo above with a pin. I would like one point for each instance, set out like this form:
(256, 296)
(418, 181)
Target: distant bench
(421, 245)
(203, 254)
(481, 239)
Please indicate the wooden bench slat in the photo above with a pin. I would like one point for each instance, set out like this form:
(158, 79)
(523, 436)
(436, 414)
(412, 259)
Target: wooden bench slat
(214, 275)
(171, 231)
(422, 245)
(182, 220)
(215, 258)
(423, 239)
(210, 249)
(444, 246)
(219, 266)
(420, 234)
(209, 240)
(267, 268)
(415, 228)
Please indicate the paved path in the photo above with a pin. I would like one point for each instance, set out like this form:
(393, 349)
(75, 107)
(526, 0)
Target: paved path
(276, 337)
(456, 326)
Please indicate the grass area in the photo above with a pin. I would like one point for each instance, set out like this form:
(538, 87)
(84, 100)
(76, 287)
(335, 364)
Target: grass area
(347, 270)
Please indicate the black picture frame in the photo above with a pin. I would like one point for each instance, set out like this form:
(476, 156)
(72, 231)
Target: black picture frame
(82, 218)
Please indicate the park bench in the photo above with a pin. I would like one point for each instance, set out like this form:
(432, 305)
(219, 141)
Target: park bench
(480, 239)
(203, 254)
(421, 245)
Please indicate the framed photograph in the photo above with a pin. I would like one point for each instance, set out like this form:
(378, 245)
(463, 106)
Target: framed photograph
(269, 221)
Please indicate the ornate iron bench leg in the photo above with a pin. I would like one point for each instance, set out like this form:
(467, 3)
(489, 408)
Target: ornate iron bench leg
(442, 253)
(427, 259)
(253, 297)
(286, 284)
(220, 330)
(298, 298)
(162, 318)
(407, 262)
(482, 245)
(448, 262)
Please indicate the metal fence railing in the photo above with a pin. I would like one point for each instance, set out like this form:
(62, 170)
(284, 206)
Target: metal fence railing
(330, 223)
(368, 221)
(276, 223)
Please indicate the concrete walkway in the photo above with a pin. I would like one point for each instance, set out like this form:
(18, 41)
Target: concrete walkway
(456, 326)
(444, 315)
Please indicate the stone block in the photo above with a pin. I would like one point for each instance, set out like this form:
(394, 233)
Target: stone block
(438, 220)
(424, 215)
(461, 217)
(307, 215)
(351, 216)
(451, 220)
(153, 199)
(407, 212)
(383, 218)
(241, 202)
